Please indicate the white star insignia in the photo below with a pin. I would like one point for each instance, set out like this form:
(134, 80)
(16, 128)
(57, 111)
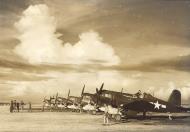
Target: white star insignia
(157, 105)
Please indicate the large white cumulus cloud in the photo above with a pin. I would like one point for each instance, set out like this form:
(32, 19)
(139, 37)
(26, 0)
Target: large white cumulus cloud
(62, 82)
(40, 43)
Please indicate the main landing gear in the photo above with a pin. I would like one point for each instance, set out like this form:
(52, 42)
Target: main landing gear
(115, 117)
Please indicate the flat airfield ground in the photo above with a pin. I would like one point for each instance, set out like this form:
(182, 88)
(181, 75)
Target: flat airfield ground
(82, 122)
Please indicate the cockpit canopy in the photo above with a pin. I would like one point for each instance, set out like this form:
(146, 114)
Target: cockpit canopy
(73, 99)
(107, 95)
(86, 97)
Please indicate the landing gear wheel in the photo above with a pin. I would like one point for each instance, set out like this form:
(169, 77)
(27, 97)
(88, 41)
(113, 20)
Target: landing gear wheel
(118, 117)
(93, 112)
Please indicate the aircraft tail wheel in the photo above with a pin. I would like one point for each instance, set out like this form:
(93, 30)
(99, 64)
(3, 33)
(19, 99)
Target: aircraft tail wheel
(169, 116)
(118, 117)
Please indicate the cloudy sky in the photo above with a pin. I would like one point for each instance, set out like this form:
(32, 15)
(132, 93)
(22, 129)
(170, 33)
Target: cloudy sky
(52, 46)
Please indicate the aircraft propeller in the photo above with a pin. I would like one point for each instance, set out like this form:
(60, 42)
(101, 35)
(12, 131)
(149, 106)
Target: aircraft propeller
(101, 88)
(68, 97)
(82, 95)
(68, 94)
(82, 90)
(122, 90)
(44, 99)
(98, 92)
(56, 98)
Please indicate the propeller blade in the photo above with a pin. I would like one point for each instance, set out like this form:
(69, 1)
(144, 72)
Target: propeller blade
(122, 90)
(83, 90)
(101, 87)
(68, 94)
(44, 99)
(97, 91)
(56, 98)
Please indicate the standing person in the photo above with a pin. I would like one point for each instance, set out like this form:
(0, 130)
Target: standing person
(11, 106)
(43, 106)
(18, 106)
(30, 107)
(22, 105)
(14, 105)
(106, 114)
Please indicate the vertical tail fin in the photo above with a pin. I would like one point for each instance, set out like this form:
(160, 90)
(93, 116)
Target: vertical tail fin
(175, 98)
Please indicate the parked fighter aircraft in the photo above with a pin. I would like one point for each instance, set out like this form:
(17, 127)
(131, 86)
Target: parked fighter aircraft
(93, 102)
(88, 102)
(89, 97)
(76, 101)
(102, 97)
(127, 104)
(153, 104)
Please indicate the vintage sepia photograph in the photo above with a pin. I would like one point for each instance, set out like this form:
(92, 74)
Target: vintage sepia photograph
(94, 65)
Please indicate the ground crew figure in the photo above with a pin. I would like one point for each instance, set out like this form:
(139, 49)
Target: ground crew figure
(106, 114)
(17, 105)
(30, 107)
(43, 106)
(22, 105)
(14, 105)
(11, 106)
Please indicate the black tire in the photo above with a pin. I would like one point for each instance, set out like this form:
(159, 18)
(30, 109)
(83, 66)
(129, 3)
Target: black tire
(117, 117)
(93, 112)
